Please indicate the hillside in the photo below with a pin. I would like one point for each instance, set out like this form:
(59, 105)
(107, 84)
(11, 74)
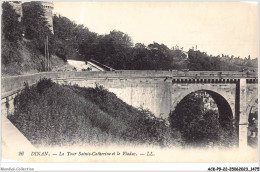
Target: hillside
(23, 47)
(51, 114)
(47, 113)
(30, 60)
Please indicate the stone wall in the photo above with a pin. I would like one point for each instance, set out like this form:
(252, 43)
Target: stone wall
(154, 90)
(158, 91)
(149, 93)
(48, 9)
(46, 5)
(225, 90)
(17, 6)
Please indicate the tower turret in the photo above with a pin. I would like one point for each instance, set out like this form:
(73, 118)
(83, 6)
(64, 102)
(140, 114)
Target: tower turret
(48, 8)
(17, 6)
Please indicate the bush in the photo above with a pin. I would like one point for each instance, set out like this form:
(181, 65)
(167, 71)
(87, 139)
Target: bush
(48, 113)
(10, 55)
(137, 125)
(11, 27)
(200, 127)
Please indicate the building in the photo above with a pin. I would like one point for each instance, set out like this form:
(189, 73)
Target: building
(17, 6)
(48, 9)
(207, 100)
(46, 5)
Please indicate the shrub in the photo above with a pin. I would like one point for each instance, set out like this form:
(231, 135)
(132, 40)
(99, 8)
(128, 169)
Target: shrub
(137, 125)
(200, 127)
(52, 114)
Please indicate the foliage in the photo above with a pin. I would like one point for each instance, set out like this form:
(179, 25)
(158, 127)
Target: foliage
(48, 113)
(11, 27)
(35, 25)
(160, 56)
(65, 36)
(115, 49)
(200, 61)
(199, 127)
(20, 55)
(11, 34)
(140, 125)
(253, 129)
(112, 49)
(9, 54)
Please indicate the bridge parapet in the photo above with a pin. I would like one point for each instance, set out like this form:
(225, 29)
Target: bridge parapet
(207, 80)
(13, 84)
(176, 74)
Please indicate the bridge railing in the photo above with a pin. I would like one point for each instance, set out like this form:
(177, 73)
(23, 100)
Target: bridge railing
(11, 86)
(12, 83)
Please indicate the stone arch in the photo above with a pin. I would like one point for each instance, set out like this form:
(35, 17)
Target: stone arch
(252, 102)
(221, 99)
(251, 116)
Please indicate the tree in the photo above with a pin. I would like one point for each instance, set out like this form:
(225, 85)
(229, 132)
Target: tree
(65, 39)
(161, 57)
(140, 58)
(63, 27)
(11, 27)
(113, 49)
(11, 35)
(200, 61)
(86, 41)
(187, 113)
(35, 25)
(197, 126)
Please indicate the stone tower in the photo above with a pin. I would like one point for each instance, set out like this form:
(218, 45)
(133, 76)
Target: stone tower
(17, 6)
(48, 8)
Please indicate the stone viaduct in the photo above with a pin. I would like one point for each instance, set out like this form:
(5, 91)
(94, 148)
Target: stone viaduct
(235, 93)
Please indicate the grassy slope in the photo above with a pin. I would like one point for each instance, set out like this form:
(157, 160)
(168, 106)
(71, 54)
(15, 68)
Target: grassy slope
(48, 113)
(31, 61)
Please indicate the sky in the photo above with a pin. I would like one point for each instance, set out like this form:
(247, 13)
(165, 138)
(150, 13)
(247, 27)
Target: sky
(215, 27)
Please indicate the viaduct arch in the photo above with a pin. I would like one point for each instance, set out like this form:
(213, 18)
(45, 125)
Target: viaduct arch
(223, 97)
(224, 107)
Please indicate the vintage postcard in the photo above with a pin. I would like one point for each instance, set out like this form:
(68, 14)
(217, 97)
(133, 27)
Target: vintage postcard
(129, 81)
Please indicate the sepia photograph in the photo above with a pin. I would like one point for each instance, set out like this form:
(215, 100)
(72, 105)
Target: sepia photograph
(130, 81)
